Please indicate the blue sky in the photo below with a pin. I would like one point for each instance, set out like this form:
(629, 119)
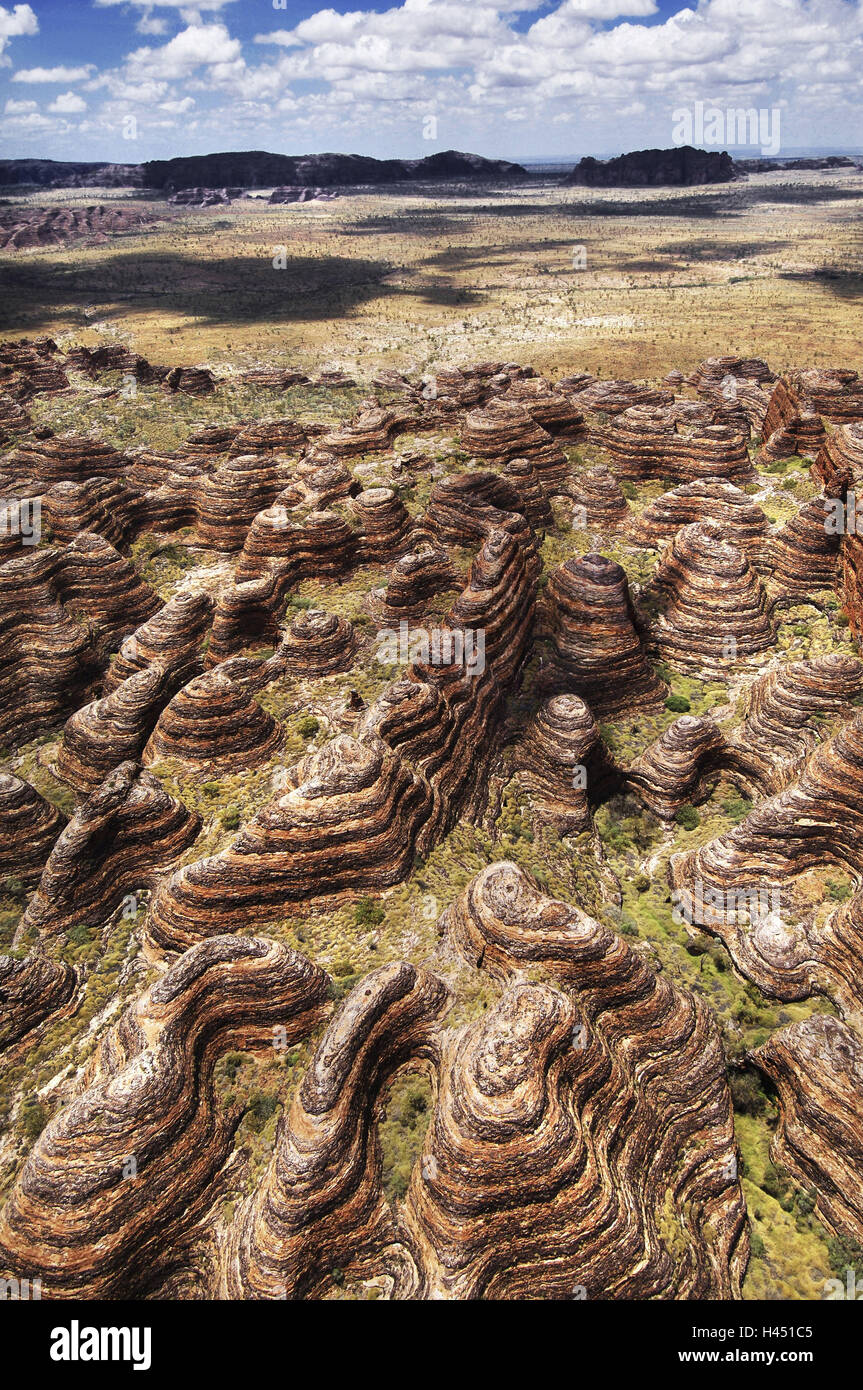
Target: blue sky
(130, 80)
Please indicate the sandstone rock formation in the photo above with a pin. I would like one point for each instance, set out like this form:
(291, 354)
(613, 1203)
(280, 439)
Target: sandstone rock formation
(142, 1145)
(714, 608)
(213, 723)
(597, 649)
(29, 826)
(127, 828)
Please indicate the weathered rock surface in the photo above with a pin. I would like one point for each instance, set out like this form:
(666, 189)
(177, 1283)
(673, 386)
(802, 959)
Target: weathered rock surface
(125, 830)
(597, 649)
(29, 826)
(714, 609)
(120, 1173)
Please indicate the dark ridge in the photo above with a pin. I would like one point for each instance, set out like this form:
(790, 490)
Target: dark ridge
(683, 167)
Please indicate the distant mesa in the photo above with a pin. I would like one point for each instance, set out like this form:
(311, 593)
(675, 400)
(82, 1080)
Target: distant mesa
(259, 169)
(63, 173)
(682, 166)
(772, 166)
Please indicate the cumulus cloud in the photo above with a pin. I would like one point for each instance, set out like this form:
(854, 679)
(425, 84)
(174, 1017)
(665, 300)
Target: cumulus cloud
(15, 23)
(68, 104)
(608, 71)
(19, 108)
(52, 74)
(193, 47)
(178, 108)
(210, 6)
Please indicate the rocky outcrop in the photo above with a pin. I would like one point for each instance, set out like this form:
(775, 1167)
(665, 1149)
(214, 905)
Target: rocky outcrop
(742, 521)
(790, 425)
(346, 823)
(125, 830)
(782, 712)
(48, 458)
(213, 723)
(301, 194)
(321, 1204)
(142, 1146)
(384, 524)
(171, 639)
(371, 431)
(741, 884)
(560, 764)
(505, 430)
(673, 771)
(550, 409)
(680, 166)
(834, 392)
(531, 1088)
(417, 576)
(598, 498)
(317, 643)
(465, 508)
(611, 396)
(24, 229)
(280, 436)
(277, 553)
(804, 555)
(29, 826)
(104, 505)
(714, 608)
(31, 991)
(598, 652)
(534, 503)
(260, 169)
(711, 375)
(190, 381)
(817, 1068)
(658, 442)
(112, 730)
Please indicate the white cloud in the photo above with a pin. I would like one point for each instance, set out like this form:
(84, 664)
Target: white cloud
(586, 71)
(31, 121)
(196, 46)
(177, 108)
(19, 108)
(210, 6)
(52, 74)
(16, 23)
(151, 24)
(68, 104)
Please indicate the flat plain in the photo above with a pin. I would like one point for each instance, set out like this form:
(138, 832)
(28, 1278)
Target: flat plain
(772, 265)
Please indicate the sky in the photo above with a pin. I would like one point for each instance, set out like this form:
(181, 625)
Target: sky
(130, 80)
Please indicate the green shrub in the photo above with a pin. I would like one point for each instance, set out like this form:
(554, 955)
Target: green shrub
(678, 704)
(844, 1254)
(746, 1093)
(688, 818)
(641, 883)
(34, 1118)
(368, 913)
(261, 1106)
(231, 817)
(308, 726)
